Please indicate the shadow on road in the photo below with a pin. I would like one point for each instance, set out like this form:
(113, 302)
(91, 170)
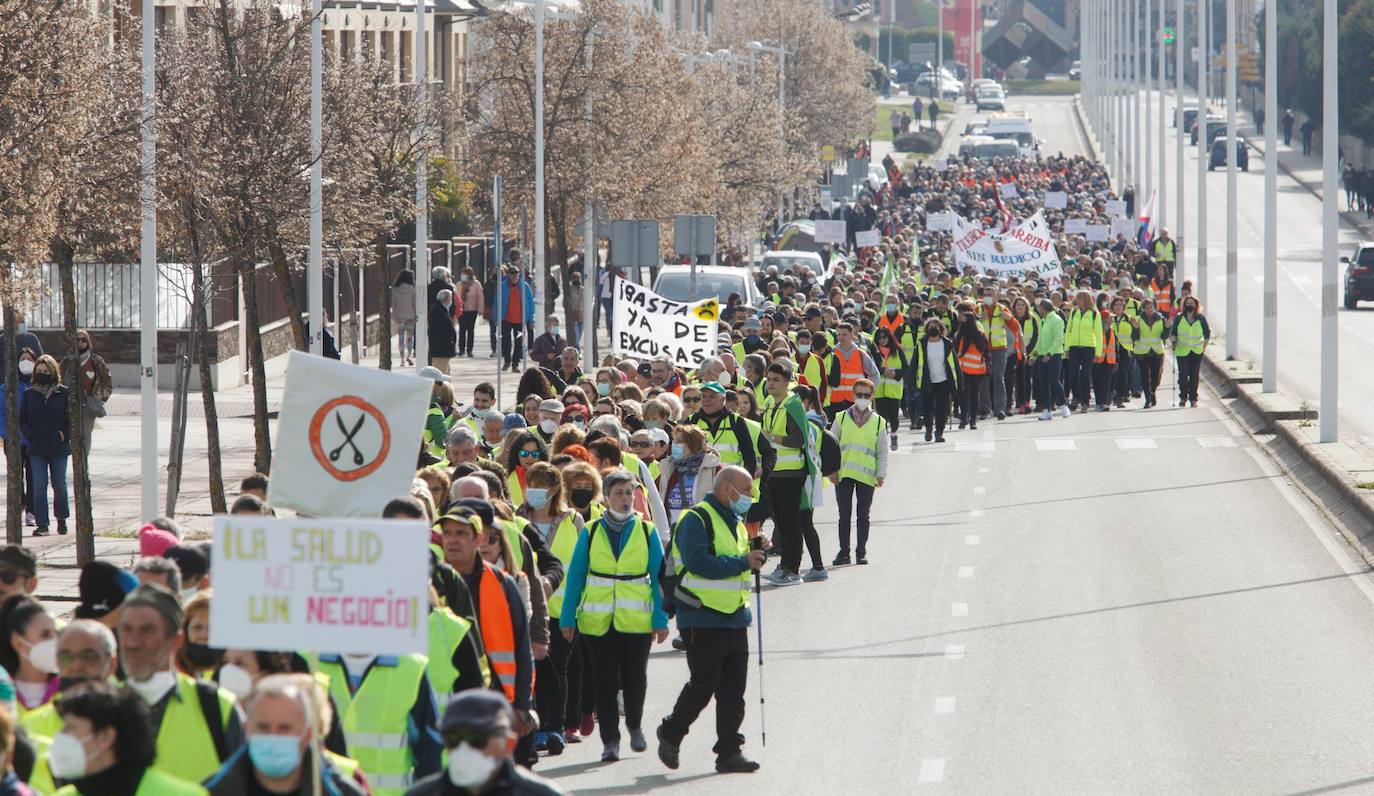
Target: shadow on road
(644, 784)
(1339, 786)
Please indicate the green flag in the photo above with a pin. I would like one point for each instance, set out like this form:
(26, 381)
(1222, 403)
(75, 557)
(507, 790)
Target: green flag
(889, 276)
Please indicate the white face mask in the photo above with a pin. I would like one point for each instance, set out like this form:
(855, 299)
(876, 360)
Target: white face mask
(43, 656)
(861, 404)
(67, 756)
(235, 679)
(554, 330)
(468, 767)
(26, 366)
(548, 426)
(154, 688)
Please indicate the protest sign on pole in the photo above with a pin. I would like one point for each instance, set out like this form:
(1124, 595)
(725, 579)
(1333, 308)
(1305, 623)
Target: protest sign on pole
(1056, 200)
(647, 325)
(1075, 226)
(320, 584)
(1116, 207)
(868, 239)
(347, 437)
(1123, 226)
(942, 221)
(1009, 190)
(1025, 250)
(829, 231)
(1097, 232)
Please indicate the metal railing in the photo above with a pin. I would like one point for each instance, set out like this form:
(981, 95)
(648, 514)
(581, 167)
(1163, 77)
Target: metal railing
(107, 297)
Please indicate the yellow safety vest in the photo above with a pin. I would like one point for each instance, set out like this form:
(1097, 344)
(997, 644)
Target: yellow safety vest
(446, 631)
(1150, 336)
(562, 543)
(889, 387)
(376, 718)
(186, 749)
(153, 783)
(859, 447)
(1190, 340)
(722, 595)
(776, 422)
(618, 590)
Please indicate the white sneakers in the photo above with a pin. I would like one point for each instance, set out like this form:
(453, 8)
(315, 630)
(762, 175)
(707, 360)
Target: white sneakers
(1046, 415)
(1064, 410)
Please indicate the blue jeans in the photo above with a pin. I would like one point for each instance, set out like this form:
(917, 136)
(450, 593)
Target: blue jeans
(1049, 389)
(43, 466)
(1080, 373)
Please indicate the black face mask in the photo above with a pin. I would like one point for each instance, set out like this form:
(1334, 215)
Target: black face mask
(581, 497)
(203, 655)
(43, 378)
(66, 683)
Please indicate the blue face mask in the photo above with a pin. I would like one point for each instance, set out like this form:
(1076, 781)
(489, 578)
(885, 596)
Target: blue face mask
(536, 497)
(678, 450)
(741, 504)
(602, 388)
(274, 755)
(803, 348)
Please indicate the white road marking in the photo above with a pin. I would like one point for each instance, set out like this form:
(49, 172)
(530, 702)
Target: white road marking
(944, 706)
(975, 513)
(958, 609)
(980, 490)
(981, 446)
(1055, 445)
(965, 572)
(972, 539)
(954, 652)
(932, 770)
(1216, 442)
(1136, 444)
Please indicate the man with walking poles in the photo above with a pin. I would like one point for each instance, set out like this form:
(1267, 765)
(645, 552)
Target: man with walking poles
(707, 581)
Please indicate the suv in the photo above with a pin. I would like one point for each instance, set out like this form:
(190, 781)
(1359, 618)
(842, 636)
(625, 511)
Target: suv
(1217, 160)
(1213, 126)
(1359, 275)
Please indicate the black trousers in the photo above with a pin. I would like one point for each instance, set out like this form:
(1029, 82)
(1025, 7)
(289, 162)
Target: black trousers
(621, 661)
(551, 681)
(581, 684)
(512, 342)
(1188, 367)
(972, 382)
(935, 401)
(467, 331)
(845, 492)
(812, 538)
(1150, 366)
(785, 494)
(718, 666)
(890, 410)
(1121, 379)
(1102, 382)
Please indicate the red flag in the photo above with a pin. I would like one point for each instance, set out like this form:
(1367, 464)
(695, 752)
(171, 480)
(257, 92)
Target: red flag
(1003, 214)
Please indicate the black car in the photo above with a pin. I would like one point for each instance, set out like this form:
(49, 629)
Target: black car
(1218, 156)
(1359, 275)
(1213, 127)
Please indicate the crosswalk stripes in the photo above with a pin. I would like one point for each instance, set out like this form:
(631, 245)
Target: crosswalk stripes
(1135, 443)
(1055, 445)
(1217, 442)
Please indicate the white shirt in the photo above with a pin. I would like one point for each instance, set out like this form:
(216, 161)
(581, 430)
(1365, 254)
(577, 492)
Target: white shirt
(935, 360)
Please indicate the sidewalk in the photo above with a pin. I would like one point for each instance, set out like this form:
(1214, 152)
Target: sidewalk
(116, 456)
(1306, 170)
(882, 149)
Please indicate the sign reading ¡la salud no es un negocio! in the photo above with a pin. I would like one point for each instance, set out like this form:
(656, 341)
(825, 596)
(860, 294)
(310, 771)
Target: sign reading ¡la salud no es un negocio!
(320, 585)
(647, 325)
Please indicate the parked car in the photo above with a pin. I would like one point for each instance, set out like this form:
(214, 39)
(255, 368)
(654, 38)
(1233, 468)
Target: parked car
(1359, 275)
(991, 98)
(1076, 70)
(1213, 125)
(1217, 160)
(786, 259)
(718, 281)
(949, 87)
(1189, 117)
(988, 150)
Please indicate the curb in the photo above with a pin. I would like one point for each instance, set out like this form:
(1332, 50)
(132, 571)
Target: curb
(1327, 472)
(1083, 128)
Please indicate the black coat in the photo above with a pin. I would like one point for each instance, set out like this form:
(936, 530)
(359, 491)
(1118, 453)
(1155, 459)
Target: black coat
(443, 336)
(510, 779)
(43, 421)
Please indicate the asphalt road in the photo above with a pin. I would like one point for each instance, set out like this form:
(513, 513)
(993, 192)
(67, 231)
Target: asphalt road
(1131, 602)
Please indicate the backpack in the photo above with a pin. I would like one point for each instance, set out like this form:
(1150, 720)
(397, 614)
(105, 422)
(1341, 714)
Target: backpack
(830, 450)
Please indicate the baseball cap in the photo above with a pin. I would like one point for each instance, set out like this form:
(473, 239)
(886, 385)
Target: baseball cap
(644, 369)
(433, 374)
(20, 558)
(102, 587)
(463, 514)
(658, 435)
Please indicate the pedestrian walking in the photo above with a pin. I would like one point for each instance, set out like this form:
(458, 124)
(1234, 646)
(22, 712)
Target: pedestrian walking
(863, 467)
(1190, 334)
(971, 347)
(1048, 354)
(1287, 124)
(892, 367)
(937, 377)
(474, 304)
(711, 560)
(403, 315)
(916, 108)
(96, 385)
(1148, 347)
(1308, 128)
(1083, 340)
(613, 581)
(43, 423)
(478, 729)
(933, 110)
(443, 337)
(516, 308)
(788, 430)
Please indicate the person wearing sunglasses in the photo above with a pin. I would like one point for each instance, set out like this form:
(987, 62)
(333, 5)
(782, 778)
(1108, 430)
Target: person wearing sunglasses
(477, 728)
(18, 571)
(525, 451)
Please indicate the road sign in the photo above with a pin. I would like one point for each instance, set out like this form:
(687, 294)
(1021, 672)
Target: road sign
(828, 153)
(920, 52)
(1168, 36)
(694, 235)
(634, 243)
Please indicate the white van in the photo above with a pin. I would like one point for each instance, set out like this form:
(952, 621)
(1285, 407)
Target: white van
(1015, 127)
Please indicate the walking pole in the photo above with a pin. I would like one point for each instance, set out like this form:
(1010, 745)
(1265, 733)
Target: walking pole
(757, 544)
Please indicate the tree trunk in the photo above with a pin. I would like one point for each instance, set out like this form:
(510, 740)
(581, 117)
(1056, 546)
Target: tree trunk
(14, 467)
(63, 254)
(199, 339)
(384, 306)
(281, 266)
(262, 436)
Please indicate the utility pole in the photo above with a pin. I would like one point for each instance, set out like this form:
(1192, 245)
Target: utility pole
(1269, 343)
(1202, 68)
(1330, 367)
(147, 268)
(1232, 265)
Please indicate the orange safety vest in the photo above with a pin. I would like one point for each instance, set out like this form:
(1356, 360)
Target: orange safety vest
(1108, 354)
(498, 636)
(851, 370)
(893, 326)
(1164, 297)
(972, 361)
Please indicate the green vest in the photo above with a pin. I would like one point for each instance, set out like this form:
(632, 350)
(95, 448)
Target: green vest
(726, 443)
(1164, 250)
(514, 530)
(186, 750)
(1121, 328)
(1150, 336)
(859, 448)
(446, 631)
(562, 543)
(775, 421)
(154, 783)
(618, 590)
(376, 719)
(724, 595)
(436, 446)
(889, 387)
(1190, 339)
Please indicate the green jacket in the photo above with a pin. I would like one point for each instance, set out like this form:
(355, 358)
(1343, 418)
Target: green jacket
(1050, 341)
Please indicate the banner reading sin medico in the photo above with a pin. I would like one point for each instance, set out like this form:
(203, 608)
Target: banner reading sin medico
(320, 585)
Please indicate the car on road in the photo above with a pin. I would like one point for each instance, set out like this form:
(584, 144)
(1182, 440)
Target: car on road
(1212, 126)
(968, 142)
(1189, 116)
(987, 150)
(1359, 275)
(991, 98)
(1076, 70)
(786, 259)
(949, 87)
(1217, 160)
(713, 281)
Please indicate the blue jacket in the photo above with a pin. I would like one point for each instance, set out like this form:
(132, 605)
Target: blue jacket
(43, 421)
(23, 388)
(503, 298)
(694, 545)
(580, 565)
